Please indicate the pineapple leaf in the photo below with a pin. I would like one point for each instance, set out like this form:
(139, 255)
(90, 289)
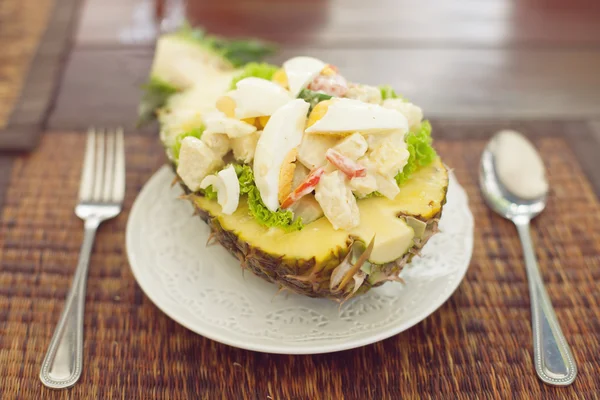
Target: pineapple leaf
(156, 93)
(238, 52)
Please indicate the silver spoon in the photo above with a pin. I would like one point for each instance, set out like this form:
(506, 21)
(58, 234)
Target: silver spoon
(554, 362)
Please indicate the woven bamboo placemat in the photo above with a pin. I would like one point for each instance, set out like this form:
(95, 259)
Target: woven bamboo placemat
(33, 38)
(476, 345)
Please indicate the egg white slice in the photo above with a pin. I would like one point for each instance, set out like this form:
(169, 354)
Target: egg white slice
(347, 115)
(227, 186)
(255, 97)
(300, 71)
(217, 122)
(282, 134)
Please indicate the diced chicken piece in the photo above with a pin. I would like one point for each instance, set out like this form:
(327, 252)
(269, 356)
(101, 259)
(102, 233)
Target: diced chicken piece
(217, 142)
(366, 93)
(411, 112)
(196, 161)
(312, 149)
(337, 201)
(363, 186)
(308, 209)
(244, 147)
(217, 122)
(354, 146)
(389, 155)
(387, 186)
(375, 140)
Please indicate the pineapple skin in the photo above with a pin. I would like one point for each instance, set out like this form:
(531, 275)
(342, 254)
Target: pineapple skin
(307, 276)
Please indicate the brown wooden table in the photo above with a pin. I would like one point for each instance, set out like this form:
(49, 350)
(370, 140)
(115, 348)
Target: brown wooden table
(475, 67)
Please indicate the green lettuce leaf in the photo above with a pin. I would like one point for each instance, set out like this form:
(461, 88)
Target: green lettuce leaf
(313, 98)
(421, 152)
(387, 92)
(155, 95)
(176, 148)
(209, 193)
(238, 52)
(278, 219)
(254, 69)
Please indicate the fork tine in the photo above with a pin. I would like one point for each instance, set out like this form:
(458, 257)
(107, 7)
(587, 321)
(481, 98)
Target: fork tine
(99, 166)
(87, 172)
(109, 166)
(118, 192)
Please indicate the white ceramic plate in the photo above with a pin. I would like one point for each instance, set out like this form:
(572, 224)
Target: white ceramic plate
(204, 289)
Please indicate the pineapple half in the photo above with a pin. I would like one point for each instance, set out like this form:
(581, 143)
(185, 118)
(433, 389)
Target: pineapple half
(317, 261)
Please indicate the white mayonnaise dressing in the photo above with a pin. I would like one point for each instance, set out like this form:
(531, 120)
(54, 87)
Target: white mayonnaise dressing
(519, 166)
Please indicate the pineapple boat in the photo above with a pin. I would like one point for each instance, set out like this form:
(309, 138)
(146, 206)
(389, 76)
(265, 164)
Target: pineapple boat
(323, 186)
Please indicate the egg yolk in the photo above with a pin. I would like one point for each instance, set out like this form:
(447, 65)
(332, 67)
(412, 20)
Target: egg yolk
(280, 78)
(318, 112)
(226, 105)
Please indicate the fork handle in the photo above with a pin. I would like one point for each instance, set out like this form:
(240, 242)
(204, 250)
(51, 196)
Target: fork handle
(63, 362)
(554, 362)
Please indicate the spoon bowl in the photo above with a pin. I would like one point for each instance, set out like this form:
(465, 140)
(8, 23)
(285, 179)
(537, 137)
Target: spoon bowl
(498, 197)
(553, 360)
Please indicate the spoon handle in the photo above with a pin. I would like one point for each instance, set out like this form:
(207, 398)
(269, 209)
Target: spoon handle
(554, 362)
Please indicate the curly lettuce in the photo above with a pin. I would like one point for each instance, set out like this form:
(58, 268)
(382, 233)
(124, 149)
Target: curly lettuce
(387, 92)
(257, 70)
(209, 193)
(278, 219)
(418, 141)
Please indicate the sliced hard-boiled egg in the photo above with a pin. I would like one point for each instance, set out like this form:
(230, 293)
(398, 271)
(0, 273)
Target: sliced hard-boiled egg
(227, 186)
(346, 115)
(282, 134)
(255, 97)
(300, 71)
(217, 122)
(286, 175)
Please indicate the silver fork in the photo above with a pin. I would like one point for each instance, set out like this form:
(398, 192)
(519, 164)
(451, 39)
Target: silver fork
(101, 194)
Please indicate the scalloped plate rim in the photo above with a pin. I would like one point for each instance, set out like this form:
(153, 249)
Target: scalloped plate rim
(339, 345)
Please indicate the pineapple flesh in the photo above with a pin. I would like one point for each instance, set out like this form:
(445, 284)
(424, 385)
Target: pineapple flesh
(304, 261)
